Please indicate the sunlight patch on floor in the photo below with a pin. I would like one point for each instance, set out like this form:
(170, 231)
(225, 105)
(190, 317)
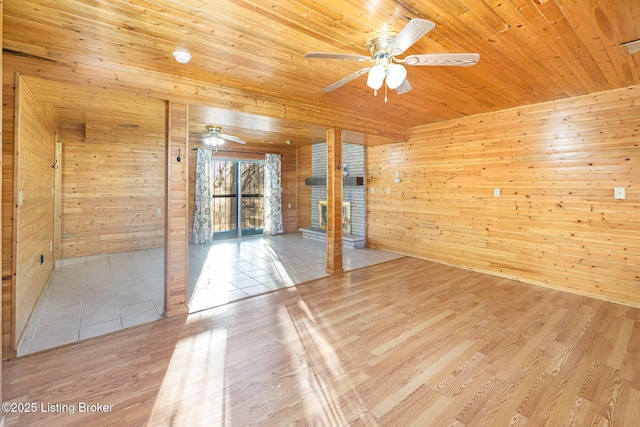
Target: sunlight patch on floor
(195, 374)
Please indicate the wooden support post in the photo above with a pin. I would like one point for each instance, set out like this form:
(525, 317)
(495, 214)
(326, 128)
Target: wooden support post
(176, 233)
(334, 201)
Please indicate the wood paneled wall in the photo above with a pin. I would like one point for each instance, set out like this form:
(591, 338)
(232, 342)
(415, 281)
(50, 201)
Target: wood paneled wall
(33, 212)
(304, 162)
(253, 151)
(176, 263)
(113, 184)
(556, 222)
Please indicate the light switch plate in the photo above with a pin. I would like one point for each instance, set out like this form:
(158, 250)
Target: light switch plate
(496, 192)
(618, 193)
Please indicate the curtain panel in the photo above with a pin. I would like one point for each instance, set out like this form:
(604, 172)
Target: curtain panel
(202, 218)
(272, 195)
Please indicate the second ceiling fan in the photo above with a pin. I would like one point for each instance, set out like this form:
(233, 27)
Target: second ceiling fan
(215, 138)
(384, 46)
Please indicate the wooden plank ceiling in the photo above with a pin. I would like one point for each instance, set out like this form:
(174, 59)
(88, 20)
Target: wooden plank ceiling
(248, 71)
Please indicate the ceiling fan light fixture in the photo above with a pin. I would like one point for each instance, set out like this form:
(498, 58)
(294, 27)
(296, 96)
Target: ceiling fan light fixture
(214, 141)
(376, 77)
(396, 75)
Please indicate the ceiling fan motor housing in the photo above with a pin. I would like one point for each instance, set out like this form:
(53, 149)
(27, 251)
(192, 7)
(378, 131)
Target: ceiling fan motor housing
(378, 43)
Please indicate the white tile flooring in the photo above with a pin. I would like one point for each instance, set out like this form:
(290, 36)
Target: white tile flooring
(91, 296)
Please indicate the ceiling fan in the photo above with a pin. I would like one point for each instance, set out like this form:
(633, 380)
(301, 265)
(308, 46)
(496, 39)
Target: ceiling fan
(384, 46)
(215, 138)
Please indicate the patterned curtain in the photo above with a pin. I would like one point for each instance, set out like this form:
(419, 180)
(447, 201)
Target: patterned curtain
(202, 222)
(272, 195)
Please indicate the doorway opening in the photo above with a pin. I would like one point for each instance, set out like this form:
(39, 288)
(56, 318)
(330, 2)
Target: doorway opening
(237, 198)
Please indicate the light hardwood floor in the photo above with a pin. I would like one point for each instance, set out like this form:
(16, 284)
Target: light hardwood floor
(407, 342)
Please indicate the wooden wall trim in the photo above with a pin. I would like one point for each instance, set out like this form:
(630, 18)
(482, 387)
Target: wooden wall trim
(334, 201)
(176, 233)
(10, 349)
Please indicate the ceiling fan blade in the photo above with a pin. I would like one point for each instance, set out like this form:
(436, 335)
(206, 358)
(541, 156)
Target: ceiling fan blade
(345, 80)
(459, 59)
(411, 33)
(233, 138)
(404, 87)
(351, 57)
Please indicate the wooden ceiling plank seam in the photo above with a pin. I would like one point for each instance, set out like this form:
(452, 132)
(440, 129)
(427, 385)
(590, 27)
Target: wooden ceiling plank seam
(316, 28)
(551, 58)
(490, 54)
(556, 18)
(611, 42)
(487, 14)
(495, 43)
(566, 66)
(620, 16)
(571, 70)
(578, 18)
(533, 85)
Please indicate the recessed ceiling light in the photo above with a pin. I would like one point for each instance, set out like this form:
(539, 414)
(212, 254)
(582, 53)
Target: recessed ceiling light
(182, 55)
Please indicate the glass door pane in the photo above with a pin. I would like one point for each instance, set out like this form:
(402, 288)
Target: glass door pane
(225, 199)
(252, 183)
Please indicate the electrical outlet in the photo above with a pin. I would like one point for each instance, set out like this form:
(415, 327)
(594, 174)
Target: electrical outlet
(388, 190)
(496, 192)
(618, 193)
(371, 190)
(158, 211)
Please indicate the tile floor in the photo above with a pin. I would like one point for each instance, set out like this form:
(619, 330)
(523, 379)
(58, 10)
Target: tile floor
(91, 296)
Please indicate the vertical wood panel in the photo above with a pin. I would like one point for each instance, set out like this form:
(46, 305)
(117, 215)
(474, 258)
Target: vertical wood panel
(176, 235)
(8, 111)
(556, 222)
(1, 185)
(33, 214)
(334, 201)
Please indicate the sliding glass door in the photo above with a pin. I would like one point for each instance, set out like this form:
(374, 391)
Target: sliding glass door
(238, 198)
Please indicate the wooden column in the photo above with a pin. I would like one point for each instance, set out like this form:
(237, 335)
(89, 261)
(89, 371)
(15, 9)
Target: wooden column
(334, 201)
(176, 233)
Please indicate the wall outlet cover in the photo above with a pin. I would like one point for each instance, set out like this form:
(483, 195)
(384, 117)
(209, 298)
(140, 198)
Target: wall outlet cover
(619, 193)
